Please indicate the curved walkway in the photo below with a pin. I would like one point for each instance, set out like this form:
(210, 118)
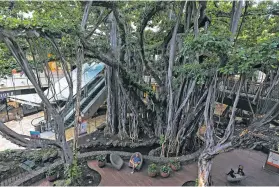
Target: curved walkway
(112, 177)
(251, 160)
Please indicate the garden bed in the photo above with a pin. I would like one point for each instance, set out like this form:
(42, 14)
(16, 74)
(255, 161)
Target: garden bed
(88, 177)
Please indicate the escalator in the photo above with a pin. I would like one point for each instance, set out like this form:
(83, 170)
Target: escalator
(93, 96)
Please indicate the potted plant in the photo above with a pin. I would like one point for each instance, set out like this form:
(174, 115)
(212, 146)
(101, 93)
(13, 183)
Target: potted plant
(152, 170)
(51, 175)
(175, 165)
(165, 171)
(101, 160)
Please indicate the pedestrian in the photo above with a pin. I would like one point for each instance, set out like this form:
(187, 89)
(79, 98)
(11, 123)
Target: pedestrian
(240, 170)
(231, 173)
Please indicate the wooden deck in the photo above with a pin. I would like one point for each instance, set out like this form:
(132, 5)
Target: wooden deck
(124, 177)
(251, 160)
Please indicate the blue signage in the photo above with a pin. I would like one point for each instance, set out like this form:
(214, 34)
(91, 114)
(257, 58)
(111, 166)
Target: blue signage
(4, 95)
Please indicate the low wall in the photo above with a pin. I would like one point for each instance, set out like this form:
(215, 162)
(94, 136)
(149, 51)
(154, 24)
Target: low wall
(36, 176)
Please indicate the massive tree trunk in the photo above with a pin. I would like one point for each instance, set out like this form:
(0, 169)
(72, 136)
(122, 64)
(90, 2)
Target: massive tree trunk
(111, 78)
(236, 18)
(80, 59)
(170, 125)
(205, 159)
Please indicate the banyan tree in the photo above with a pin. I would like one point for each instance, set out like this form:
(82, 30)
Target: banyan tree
(167, 64)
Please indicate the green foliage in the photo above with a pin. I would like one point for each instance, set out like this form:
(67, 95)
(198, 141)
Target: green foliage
(51, 172)
(73, 172)
(176, 164)
(57, 19)
(207, 46)
(162, 139)
(48, 16)
(243, 60)
(165, 169)
(197, 182)
(7, 62)
(101, 158)
(152, 168)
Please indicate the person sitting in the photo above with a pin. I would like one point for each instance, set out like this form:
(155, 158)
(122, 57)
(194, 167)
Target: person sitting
(240, 170)
(231, 173)
(135, 161)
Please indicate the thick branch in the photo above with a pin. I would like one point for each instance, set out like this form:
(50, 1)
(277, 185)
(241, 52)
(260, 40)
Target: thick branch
(230, 127)
(26, 141)
(100, 20)
(159, 6)
(128, 77)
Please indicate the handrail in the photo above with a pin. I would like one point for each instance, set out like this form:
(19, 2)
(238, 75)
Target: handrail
(101, 91)
(55, 94)
(97, 85)
(97, 79)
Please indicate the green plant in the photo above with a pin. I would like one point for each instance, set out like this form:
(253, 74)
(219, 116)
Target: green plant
(152, 168)
(176, 164)
(162, 139)
(51, 171)
(165, 169)
(197, 182)
(73, 172)
(101, 158)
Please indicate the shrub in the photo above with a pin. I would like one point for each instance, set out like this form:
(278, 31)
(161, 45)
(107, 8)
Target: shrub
(165, 168)
(152, 168)
(101, 158)
(51, 171)
(176, 164)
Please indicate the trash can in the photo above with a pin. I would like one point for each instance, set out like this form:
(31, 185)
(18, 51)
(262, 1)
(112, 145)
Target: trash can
(38, 127)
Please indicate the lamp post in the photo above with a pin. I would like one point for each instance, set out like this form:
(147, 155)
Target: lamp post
(7, 108)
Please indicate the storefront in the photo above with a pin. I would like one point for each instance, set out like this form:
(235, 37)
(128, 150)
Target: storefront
(9, 108)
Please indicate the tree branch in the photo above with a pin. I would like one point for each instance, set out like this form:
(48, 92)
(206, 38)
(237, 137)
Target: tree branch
(100, 20)
(127, 77)
(158, 7)
(26, 141)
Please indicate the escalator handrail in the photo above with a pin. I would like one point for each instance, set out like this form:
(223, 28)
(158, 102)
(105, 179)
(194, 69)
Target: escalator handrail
(99, 84)
(83, 110)
(83, 74)
(98, 78)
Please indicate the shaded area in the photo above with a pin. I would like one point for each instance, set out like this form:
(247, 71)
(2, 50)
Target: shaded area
(89, 177)
(112, 177)
(251, 160)
(189, 183)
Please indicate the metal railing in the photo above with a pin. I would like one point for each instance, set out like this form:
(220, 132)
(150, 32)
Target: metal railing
(252, 89)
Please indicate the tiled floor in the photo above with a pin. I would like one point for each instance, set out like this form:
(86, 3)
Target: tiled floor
(26, 126)
(22, 128)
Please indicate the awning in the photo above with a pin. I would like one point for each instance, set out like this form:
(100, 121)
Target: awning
(28, 99)
(60, 90)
